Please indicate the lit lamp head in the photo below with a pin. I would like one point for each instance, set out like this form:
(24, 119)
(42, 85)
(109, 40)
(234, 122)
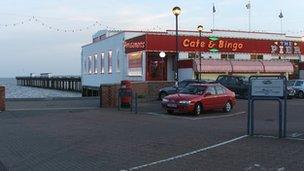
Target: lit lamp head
(176, 11)
(162, 54)
(200, 28)
(302, 39)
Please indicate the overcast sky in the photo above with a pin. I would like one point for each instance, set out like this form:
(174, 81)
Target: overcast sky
(33, 48)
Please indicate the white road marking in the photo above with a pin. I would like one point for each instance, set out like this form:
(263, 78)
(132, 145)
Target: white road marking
(44, 109)
(199, 118)
(274, 137)
(223, 116)
(296, 134)
(186, 154)
(297, 139)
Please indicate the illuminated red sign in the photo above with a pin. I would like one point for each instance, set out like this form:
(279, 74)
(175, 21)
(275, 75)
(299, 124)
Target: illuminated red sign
(159, 43)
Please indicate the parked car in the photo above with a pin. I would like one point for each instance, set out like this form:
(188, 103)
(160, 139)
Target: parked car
(291, 92)
(237, 84)
(298, 86)
(174, 89)
(196, 98)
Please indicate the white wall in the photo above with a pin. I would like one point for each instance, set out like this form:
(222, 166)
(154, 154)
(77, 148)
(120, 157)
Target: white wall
(112, 44)
(115, 43)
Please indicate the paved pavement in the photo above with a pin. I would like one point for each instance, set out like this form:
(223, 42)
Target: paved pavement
(86, 138)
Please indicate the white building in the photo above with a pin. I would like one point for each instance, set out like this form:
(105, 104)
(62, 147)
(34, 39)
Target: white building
(133, 55)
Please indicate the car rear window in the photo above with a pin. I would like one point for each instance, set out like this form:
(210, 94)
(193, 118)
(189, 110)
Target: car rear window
(220, 90)
(211, 90)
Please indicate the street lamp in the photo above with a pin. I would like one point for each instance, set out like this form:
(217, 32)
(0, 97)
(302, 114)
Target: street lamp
(200, 30)
(162, 55)
(176, 11)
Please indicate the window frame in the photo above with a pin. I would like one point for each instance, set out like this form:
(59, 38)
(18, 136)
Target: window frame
(110, 62)
(102, 62)
(117, 61)
(95, 64)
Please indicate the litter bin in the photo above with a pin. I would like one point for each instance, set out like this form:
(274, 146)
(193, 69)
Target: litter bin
(125, 93)
(2, 98)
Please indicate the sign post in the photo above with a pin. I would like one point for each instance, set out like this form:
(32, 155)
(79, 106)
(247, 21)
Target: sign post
(273, 88)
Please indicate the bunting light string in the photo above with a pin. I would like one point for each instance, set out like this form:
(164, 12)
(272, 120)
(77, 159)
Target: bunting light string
(16, 23)
(35, 20)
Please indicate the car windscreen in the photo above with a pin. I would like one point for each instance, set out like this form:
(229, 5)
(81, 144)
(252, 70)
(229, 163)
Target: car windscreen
(290, 83)
(183, 84)
(193, 89)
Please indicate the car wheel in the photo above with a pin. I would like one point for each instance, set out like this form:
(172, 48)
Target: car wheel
(301, 94)
(162, 95)
(170, 111)
(227, 107)
(197, 109)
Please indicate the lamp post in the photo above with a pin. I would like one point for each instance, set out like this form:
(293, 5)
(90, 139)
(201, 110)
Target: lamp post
(176, 11)
(200, 30)
(162, 55)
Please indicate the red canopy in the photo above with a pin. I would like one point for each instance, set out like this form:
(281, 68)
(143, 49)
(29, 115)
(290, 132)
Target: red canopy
(278, 66)
(242, 66)
(247, 66)
(212, 66)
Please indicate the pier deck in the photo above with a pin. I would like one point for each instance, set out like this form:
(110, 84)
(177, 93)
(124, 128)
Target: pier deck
(67, 83)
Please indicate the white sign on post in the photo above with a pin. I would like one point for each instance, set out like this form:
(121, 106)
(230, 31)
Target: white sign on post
(267, 87)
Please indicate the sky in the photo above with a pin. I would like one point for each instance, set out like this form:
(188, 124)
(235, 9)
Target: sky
(33, 48)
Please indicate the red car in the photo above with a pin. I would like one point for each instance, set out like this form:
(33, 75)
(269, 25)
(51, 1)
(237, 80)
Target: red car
(198, 97)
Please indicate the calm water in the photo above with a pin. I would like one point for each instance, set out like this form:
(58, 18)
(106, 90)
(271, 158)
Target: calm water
(14, 91)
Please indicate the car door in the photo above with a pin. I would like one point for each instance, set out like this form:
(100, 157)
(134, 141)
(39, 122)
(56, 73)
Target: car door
(222, 97)
(210, 101)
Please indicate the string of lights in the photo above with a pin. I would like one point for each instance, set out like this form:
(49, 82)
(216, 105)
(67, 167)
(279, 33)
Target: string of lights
(35, 20)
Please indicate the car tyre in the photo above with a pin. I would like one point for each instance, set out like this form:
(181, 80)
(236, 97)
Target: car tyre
(301, 94)
(228, 107)
(198, 108)
(170, 111)
(162, 95)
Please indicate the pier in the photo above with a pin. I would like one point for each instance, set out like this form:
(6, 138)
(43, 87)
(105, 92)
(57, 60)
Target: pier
(66, 83)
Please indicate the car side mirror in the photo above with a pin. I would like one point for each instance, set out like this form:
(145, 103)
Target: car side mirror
(207, 94)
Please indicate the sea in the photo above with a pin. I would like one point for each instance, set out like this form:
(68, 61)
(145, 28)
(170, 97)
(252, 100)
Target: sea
(12, 90)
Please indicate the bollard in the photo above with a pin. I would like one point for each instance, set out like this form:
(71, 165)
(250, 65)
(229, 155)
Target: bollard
(2, 98)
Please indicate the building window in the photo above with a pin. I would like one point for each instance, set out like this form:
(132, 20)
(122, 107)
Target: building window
(135, 66)
(90, 65)
(256, 57)
(84, 65)
(227, 56)
(102, 63)
(117, 61)
(110, 62)
(95, 64)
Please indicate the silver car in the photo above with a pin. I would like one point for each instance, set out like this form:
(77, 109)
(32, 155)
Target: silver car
(298, 86)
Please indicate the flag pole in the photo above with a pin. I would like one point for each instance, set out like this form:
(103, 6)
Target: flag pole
(281, 26)
(249, 16)
(213, 15)
(281, 18)
(213, 21)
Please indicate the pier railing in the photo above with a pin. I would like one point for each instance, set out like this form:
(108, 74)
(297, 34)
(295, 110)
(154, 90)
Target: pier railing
(67, 83)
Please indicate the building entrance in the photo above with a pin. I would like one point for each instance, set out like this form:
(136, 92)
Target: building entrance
(156, 67)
